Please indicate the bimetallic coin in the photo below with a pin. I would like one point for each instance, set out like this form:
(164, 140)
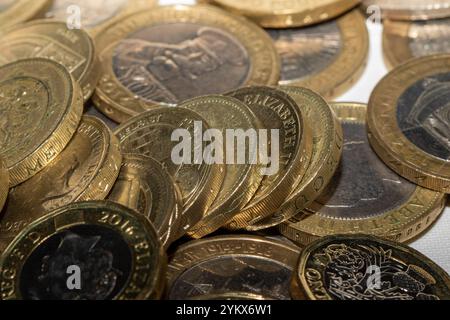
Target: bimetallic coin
(345, 268)
(290, 140)
(288, 13)
(4, 183)
(241, 181)
(145, 186)
(231, 296)
(115, 250)
(85, 170)
(151, 134)
(40, 109)
(172, 53)
(403, 41)
(326, 154)
(328, 58)
(73, 48)
(365, 196)
(17, 11)
(226, 264)
(410, 9)
(409, 121)
(95, 15)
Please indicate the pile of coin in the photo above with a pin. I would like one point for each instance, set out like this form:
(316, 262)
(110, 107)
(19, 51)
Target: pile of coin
(190, 152)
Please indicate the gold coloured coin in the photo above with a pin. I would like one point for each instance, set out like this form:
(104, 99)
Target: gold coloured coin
(150, 134)
(326, 154)
(226, 264)
(17, 11)
(365, 196)
(290, 13)
(4, 183)
(331, 269)
(145, 186)
(290, 140)
(327, 58)
(85, 170)
(116, 250)
(40, 109)
(173, 53)
(403, 40)
(74, 49)
(410, 9)
(408, 121)
(241, 181)
(95, 15)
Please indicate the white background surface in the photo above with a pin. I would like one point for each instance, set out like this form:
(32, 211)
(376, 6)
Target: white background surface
(436, 242)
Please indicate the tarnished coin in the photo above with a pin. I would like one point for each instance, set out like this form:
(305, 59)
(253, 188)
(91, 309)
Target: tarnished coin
(169, 54)
(288, 13)
(114, 250)
(73, 48)
(403, 40)
(225, 264)
(145, 186)
(40, 109)
(4, 183)
(289, 138)
(94, 15)
(16, 11)
(365, 196)
(85, 170)
(346, 268)
(152, 134)
(328, 58)
(410, 9)
(327, 150)
(231, 296)
(409, 121)
(233, 120)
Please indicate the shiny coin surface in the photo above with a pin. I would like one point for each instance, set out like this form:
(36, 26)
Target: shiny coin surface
(150, 134)
(116, 250)
(241, 181)
(85, 170)
(342, 268)
(327, 150)
(365, 196)
(16, 11)
(290, 140)
(40, 109)
(4, 183)
(225, 264)
(410, 9)
(147, 187)
(409, 122)
(95, 15)
(291, 13)
(328, 58)
(173, 53)
(404, 40)
(74, 49)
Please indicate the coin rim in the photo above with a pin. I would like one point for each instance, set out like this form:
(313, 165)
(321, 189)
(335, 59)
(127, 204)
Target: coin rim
(402, 223)
(304, 256)
(348, 67)
(154, 285)
(322, 170)
(60, 137)
(121, 112)
(400, 154)
(298, 16)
